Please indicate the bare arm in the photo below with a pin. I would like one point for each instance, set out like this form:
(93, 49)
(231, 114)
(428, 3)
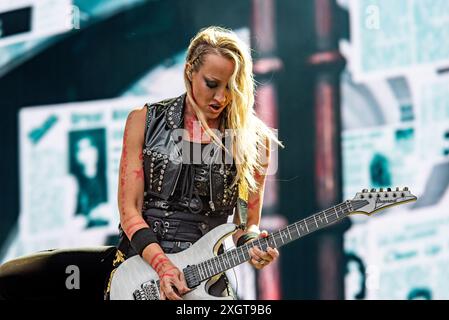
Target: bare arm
(131, 183)
(255, 203)
(130, 201)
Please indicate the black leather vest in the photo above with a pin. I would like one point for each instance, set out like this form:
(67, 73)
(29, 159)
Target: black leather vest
(182, 201)
(173, 184)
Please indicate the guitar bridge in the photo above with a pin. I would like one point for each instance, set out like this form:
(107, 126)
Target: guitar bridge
(149, 291)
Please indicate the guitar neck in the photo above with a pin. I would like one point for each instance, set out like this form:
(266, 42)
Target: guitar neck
(301, 228)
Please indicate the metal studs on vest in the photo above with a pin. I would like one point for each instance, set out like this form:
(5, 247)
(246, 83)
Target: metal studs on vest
(166, 173)
(162, 173)
(172, 123)
(157, 156)
(175, 112)
(161, 177)
(154, 156)
(225, 173)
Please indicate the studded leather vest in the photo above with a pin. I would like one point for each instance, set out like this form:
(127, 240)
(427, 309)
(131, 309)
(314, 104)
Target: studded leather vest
(172, 181)
(185, 197)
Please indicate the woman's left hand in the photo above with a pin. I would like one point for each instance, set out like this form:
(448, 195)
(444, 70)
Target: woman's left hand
(260, 259)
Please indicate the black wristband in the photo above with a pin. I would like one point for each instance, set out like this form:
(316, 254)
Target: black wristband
(142, 238)
(246, 237)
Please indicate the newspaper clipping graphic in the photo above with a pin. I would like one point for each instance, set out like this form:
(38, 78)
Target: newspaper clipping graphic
(69, 162)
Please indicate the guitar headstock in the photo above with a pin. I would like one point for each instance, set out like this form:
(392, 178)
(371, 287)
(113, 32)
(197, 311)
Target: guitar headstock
(369, 202)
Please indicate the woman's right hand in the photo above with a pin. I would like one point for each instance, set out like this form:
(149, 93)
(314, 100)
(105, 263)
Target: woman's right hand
(172, 282)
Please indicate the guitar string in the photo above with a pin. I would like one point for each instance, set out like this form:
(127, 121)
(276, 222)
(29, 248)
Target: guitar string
(243, 251)
(242, 255)
(240, 252)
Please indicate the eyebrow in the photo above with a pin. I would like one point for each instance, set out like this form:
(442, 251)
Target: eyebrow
(210, 78)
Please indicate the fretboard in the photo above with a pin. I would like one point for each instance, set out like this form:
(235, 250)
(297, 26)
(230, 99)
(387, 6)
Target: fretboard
(234, 257)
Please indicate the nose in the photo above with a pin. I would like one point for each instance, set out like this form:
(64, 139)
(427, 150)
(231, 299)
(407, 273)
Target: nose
(220, 96)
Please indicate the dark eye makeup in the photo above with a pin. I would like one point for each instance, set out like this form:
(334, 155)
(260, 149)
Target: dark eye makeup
(211, 84)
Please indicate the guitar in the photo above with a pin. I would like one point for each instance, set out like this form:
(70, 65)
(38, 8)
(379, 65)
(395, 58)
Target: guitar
(135, 279)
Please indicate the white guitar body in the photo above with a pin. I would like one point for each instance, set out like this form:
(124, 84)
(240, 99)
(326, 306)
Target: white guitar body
(135, 271)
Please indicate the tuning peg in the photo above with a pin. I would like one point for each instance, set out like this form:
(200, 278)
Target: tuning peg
(364, 190)
(381, 190)
(388, 189)
(405, 189)
(373, 190)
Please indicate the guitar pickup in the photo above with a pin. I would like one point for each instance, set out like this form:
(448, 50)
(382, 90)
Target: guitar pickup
(192, 276)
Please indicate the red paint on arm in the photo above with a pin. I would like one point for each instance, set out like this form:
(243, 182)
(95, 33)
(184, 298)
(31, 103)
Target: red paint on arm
(253, 203)
(257, 176)
(123, 168)
(159, 264)
(155, 257)
(132, 224)
(130, 170)
(131, 229)
(138, 174)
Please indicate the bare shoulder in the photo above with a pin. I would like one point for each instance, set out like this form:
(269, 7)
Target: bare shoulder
(135, 125)
(136, 118)
(137, 114)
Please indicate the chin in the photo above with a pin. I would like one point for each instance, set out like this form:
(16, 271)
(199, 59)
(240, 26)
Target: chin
(213, 116)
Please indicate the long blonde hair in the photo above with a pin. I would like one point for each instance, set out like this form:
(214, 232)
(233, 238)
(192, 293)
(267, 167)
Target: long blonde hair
(240, 115)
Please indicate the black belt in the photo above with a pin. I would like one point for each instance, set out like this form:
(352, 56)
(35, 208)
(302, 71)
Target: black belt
(182, 205)
(172, 244)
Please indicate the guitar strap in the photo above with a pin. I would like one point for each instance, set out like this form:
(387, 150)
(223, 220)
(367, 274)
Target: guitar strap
(242, 206)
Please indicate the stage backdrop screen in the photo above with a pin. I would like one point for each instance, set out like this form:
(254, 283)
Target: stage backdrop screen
(395, 116)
